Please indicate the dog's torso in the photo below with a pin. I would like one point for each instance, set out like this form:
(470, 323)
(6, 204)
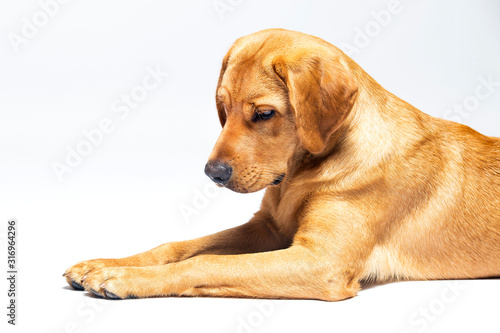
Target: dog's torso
(361, 186)
(437, 183)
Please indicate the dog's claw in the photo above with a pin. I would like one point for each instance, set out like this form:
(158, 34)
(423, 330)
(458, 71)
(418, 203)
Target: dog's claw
(96, 293)
(76, 285)
(110, 295)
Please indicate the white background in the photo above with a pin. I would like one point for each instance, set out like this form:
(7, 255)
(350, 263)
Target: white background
(126, 196)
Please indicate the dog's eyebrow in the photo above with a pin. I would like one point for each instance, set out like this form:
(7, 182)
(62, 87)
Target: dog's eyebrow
(222, 94)
(276, 101)
(254, 95)
(220, 97)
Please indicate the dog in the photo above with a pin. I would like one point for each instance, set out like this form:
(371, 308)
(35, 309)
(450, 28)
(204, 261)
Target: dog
(360, 186)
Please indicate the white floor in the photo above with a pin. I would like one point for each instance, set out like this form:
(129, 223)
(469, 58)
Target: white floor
(56, 232)
(127, 194)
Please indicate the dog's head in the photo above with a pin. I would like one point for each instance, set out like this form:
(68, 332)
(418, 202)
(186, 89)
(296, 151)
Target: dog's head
(279, 92)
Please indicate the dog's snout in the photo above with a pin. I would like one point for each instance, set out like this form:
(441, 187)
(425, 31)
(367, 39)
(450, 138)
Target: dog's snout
(219, 172)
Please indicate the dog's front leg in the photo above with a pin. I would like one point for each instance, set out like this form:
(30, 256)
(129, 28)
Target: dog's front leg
(296, 272)
(324, 262)
(258, 235)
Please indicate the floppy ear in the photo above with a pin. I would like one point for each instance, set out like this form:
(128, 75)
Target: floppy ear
(219, 104)
(321, 95)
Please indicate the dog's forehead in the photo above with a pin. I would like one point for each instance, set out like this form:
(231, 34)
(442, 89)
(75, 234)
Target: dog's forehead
(246, 76)
(251, 84)
(249, 62)
(252, 90)
(252, 44)
(259, 48)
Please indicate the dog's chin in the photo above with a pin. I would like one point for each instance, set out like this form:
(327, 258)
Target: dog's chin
(242, 188)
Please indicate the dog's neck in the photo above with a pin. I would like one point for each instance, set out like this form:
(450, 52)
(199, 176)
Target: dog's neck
(378, 126)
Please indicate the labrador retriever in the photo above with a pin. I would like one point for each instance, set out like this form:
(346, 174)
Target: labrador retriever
(361, 186)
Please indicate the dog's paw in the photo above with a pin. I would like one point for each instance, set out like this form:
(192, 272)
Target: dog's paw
(75, 273)
(116, 282)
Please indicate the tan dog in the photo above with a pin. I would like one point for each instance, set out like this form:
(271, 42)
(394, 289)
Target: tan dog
(360, 186)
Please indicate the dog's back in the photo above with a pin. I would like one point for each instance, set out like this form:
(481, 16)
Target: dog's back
(450, 190)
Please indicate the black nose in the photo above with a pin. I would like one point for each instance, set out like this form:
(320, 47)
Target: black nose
(219, 172)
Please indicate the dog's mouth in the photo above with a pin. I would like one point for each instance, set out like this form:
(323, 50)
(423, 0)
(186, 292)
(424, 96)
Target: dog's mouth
(241, 188)
(278, 179)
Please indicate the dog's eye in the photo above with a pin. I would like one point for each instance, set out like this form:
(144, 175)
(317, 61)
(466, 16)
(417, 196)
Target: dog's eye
(263, 115)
